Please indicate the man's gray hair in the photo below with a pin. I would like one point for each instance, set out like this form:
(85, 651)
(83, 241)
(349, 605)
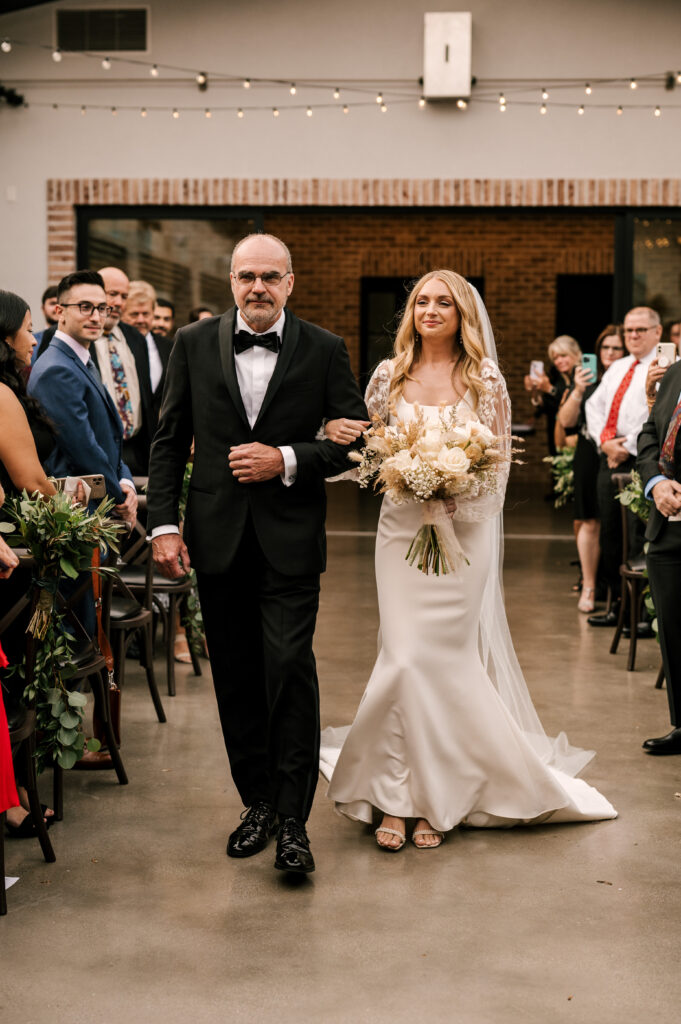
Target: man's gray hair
(653, 315)
(262, 234)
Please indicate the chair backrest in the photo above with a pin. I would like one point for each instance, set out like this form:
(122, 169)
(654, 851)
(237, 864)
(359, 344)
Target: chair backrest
(622, 480)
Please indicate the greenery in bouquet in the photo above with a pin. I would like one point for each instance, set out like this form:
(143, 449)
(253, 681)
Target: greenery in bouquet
(563, 475)
(61, 537)
(428, 462)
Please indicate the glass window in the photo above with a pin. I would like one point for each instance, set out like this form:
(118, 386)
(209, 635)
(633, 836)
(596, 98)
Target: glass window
(657, 265)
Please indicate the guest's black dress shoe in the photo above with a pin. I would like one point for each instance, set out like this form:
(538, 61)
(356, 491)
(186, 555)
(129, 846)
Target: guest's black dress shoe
(669, 744)
(604, 618)
(254, 832)
(293, 847)
(644, 631)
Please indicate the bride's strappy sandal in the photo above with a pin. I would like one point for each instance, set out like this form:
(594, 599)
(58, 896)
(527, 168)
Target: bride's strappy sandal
(391, 832)
(427, 832)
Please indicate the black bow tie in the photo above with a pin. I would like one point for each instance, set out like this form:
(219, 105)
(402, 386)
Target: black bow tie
(243, 340)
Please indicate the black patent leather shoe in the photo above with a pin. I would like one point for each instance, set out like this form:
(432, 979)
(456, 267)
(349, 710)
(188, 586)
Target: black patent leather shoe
(669, 744)
(604, 618)
(254, 832)
(644, 631)
(293, 848)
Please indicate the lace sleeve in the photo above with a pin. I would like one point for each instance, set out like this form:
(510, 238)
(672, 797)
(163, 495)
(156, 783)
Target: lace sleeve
(378, 391)
(494, 410)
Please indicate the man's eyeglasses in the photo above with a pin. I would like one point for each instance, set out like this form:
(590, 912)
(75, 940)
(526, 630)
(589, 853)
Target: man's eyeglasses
(639, 330)
(88, 308)
(270, 277)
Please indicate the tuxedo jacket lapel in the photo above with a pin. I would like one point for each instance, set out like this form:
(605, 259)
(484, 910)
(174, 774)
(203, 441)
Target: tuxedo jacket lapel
(288, 346)
(226, 344)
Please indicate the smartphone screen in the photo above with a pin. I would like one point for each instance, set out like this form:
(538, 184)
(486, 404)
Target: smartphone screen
(536, 368)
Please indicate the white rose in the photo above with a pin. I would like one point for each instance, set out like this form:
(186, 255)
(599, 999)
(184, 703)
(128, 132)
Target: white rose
(400, 462)
(461, 432)
(430, 443)
(481, 433)
(453, 461)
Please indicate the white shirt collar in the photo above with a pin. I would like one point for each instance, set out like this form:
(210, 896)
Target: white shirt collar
(277, 326)
(82, 351)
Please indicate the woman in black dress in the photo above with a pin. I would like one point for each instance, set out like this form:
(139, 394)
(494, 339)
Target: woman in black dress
(571, 416)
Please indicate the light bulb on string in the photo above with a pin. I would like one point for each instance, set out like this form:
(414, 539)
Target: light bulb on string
(383, 108)
(620, 111)
(544, 94)
(309, 111)
(106, 64)
(587, 89)
(657, 112)
(143, 112)
(346, 109)
(678, 77)
(502, 100)
(239, 112)
(275, 112)
(55, 106)
(502, 108)
(6, 46)
(293, 89)
(201, 78)
(379, 98)
(633, 84)
(580, 111)
(56, 56)
(247, 83)
(422, 102)
(461, 104)
(114, 112)
(153, 71)
(336, 94)
(543, 108)
(208, 113)
(83, 111)
(176, 113)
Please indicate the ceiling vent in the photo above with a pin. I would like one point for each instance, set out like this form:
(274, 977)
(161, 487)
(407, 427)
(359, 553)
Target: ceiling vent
(106, 29)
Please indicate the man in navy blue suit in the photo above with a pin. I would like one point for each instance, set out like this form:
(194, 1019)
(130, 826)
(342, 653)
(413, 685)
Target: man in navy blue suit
(68, 386)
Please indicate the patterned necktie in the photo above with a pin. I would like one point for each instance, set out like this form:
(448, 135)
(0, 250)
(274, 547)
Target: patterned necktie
(610, 429)
(667, 452)
(121, 393)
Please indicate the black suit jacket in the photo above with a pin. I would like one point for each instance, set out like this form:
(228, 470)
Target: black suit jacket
(164, 347)
(312, 380)
(651, 439)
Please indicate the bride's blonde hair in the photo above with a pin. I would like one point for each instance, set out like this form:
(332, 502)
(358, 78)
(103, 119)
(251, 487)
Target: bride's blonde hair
(469, 337)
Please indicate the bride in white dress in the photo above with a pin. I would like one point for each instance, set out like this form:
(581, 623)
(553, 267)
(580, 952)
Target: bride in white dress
(446, 732)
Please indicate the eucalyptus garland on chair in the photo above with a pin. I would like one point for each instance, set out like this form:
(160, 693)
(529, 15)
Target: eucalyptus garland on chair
(563, 475)
(633, 497)
(61, 537)
(192, 619)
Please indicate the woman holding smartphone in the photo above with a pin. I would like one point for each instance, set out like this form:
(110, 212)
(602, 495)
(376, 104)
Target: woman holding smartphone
(572, 418)
(547, 390)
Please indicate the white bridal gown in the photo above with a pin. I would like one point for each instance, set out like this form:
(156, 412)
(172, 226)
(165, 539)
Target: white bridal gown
(434, 736)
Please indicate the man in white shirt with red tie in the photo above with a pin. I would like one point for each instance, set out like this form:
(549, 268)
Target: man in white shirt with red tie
(615, 414)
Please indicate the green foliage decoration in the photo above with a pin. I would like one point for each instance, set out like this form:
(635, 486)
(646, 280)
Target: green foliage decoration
(563, 475)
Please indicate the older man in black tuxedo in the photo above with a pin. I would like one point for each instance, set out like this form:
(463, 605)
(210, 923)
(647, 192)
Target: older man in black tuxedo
(659, 463)
(252, 387)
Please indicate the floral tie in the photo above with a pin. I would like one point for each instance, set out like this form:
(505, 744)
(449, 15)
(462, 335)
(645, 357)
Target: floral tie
(610, 429)
(667, 454)
(121, 393)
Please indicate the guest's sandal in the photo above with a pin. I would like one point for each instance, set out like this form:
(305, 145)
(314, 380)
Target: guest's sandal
(391, 832)
(427, 832)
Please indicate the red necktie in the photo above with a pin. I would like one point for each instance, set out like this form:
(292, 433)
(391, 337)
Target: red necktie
(610, 429)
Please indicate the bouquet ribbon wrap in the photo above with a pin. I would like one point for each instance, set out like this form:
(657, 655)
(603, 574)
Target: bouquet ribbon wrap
(436, 548)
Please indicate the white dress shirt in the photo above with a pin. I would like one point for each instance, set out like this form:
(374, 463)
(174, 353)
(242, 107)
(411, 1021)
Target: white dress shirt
(155, 364)
(633, 411)
(254, 369)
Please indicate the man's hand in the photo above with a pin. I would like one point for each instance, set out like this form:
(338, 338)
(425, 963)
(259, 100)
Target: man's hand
(128, 510)
(615, 451)
(653, 377)
(252, 463)
(667, 497)
(345, 431)
(171, 555)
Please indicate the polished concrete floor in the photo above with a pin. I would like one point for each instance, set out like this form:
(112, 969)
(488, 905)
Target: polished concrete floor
(143, 918)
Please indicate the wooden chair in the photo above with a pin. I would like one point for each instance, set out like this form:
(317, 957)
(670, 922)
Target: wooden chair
(633, 582)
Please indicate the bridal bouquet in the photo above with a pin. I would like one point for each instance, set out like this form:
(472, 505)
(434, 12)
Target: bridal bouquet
(429, 462)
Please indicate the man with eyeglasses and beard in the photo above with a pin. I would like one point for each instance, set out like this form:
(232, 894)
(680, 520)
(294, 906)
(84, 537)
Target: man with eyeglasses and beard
(66, 383)
(252, 387)
(615, 414)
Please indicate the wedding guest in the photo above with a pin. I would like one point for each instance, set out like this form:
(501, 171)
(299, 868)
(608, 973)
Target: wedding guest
(199, 313)
(615, 413)
(48, 306)
(139, 313)
(659, 463)
(572, 417)
(546, 390)
(164, 318)
(672, 332)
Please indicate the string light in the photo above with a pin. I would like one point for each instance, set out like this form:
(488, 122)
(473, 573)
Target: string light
(580, 111)
(6, 46)
(239, 112)
(461, 104)
(56, 56)
(247, 83)
(207, 113)
(543, 108)
(201, 78)
(83, 111)
(106, 64)
(275, 112)
(309, 111)
(336, 93)
(55, 106)
(633, 84)
(383, 108)
(176, 113)
(422, 102)
(114, 112)
(544, 94)
(293, 89)
(153, 71)
(620, 111)
(658, 112)
(379, 98)
(346, 110)
(678, 77)
(587, 89)
(143, 112)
